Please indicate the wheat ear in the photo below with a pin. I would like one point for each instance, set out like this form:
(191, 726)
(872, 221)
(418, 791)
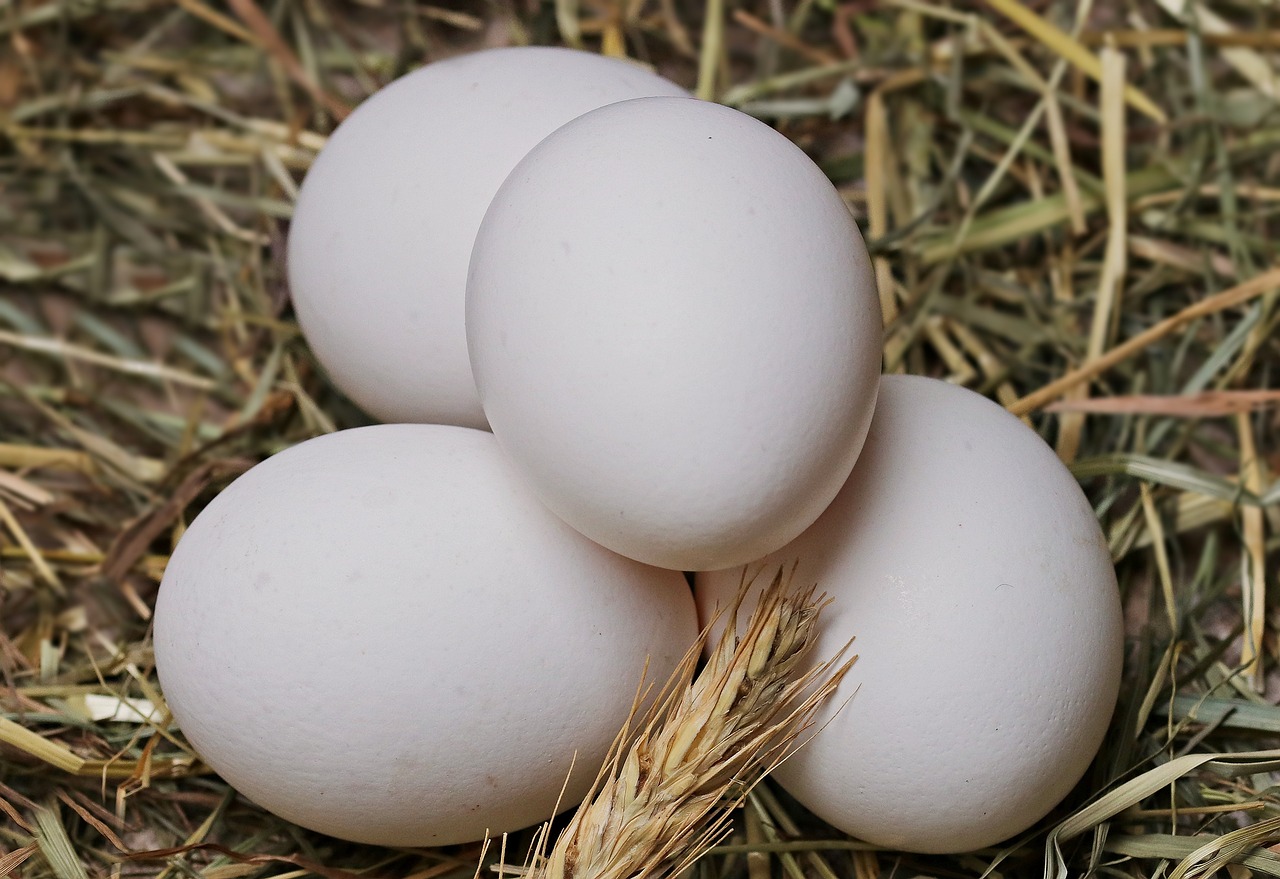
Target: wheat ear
(666, 795)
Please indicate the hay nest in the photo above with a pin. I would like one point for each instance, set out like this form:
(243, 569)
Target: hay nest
(1072, 208)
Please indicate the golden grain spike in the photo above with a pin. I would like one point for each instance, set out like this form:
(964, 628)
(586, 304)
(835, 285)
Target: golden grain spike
(710, 739)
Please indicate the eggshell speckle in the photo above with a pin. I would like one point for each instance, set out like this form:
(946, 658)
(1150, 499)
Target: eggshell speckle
(971, 569)
(675, 332)
(383, 227)
(382, 635)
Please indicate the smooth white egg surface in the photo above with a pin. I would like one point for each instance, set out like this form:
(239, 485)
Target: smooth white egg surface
(380, 634)
(675, 332)
(972, 571)
(383, 226)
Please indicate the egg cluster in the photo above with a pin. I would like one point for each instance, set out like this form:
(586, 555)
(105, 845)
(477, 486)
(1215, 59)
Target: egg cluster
(617, 334)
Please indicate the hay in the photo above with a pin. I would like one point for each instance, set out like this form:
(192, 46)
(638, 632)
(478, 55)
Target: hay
(1073, 209)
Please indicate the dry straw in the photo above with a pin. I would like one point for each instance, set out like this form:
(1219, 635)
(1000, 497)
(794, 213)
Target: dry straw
(147, 351)
(666, 794)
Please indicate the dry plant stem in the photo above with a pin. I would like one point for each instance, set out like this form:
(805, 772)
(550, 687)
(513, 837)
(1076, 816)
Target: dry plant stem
(1264, 283)
(666, 797)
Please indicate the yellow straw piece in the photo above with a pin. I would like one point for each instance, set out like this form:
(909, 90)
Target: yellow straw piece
(1254, 587)
(38, 746)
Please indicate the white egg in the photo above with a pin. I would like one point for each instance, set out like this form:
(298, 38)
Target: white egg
(969, 566)
(383, 227)
(381, 635)
(674, 330)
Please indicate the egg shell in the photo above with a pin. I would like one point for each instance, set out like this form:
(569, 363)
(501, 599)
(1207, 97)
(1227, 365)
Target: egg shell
(972, 571)
(383, 226)
(675, 331)
(380, 634)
